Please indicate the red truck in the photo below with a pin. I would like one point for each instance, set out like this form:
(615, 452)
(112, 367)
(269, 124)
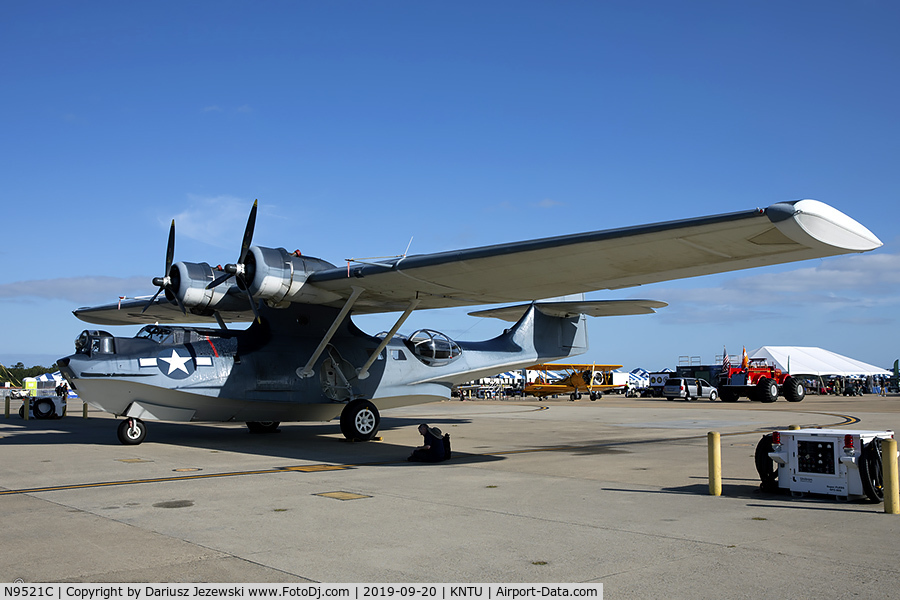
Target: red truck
(761, 382)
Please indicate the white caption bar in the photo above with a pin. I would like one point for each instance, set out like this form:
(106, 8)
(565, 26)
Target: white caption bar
(313, 591)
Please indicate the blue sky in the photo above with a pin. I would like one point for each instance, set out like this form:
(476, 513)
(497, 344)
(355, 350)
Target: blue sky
(361, 125)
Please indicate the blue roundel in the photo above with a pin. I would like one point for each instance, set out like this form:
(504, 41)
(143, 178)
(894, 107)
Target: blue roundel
(175, 364)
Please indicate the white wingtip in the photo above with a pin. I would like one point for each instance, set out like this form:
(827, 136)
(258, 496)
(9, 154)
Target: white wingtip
(813, 223)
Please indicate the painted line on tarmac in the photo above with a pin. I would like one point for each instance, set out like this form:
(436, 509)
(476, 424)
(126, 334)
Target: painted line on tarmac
(846, 420)
(81, 486)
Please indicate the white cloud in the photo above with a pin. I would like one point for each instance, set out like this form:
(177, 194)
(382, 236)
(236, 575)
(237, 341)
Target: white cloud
(218, 221)
(78, 290)
(851, 289)
(876, 273)
(549, 203)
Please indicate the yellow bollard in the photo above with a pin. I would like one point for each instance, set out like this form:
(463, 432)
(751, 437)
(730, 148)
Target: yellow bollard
(889, 477)
(715, 463)
(27, 407)
(84, 410)
(7, 407)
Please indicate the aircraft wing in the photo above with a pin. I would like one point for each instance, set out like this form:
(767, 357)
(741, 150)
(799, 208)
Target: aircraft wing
(558, 266)
(592, 308)
(602, 260)
(136, 311)
(573, 367)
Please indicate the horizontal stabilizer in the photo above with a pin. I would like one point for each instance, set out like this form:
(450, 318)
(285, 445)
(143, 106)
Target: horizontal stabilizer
(591, 308)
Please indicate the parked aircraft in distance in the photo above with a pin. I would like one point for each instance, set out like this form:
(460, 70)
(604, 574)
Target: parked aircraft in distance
(590, 379)
(303, 358)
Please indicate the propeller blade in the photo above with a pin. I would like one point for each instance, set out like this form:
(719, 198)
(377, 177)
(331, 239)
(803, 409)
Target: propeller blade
(163, 282)
(218, 280)
(180, 304)
(170, 248)
(152, 300)
(253, 305)
(248, 233)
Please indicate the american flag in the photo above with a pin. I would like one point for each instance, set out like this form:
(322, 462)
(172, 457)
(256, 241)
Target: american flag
(726, 362)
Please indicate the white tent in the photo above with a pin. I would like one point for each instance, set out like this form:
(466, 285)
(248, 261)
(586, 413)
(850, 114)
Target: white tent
(799, 360)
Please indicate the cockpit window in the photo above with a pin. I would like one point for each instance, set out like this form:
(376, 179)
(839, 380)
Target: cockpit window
(432, 347)
(95, 342)
(155, 333)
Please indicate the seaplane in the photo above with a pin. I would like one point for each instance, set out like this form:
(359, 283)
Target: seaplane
(302, 357)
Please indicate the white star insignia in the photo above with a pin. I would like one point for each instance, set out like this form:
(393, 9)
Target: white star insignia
(176, 363)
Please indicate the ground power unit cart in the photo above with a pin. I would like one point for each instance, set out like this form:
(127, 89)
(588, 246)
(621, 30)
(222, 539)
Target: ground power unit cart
(835, 462)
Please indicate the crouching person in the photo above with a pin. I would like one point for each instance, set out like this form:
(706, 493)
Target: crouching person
(434, 448)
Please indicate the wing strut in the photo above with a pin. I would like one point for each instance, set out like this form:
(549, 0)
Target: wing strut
(307, 371)
(364, 371)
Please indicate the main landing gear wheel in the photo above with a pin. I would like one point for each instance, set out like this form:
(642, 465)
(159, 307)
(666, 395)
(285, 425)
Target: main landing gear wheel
(360, 420)
(132, 431)
(263, 426)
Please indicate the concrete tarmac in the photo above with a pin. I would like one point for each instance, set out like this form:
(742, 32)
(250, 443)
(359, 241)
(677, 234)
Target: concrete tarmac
(613, 491)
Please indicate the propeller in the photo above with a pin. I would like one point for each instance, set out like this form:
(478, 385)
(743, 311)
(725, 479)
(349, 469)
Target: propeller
(239, 270)
(165, 282)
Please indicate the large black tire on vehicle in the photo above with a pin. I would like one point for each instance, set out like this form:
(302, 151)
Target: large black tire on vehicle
(727, 395)
(870, 470)
(766, 390)
(765, 466)
(43, 408)
(793, 389)
(360, 420)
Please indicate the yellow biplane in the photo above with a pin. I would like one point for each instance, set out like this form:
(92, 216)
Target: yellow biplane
(592, 379)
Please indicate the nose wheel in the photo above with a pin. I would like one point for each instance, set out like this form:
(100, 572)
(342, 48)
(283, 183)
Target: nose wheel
(132, 431)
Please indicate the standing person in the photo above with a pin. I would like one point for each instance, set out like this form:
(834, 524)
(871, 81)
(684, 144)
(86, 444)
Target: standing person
(432, 449)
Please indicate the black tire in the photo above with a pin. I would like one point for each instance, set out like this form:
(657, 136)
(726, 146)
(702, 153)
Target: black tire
(263, 426)
(713, 396)
(729, 396)
(767, 390)
(360, 421)
(43, 408)
(765, 466)
(870, 470)
(794, 390)
(22, 412)
(132, 432)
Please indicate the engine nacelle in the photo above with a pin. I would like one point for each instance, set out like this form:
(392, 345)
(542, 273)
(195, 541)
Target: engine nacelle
(189, 280)
(278, 276)
(271, 274)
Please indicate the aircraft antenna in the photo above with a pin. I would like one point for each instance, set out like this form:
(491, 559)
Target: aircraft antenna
(366, 259)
